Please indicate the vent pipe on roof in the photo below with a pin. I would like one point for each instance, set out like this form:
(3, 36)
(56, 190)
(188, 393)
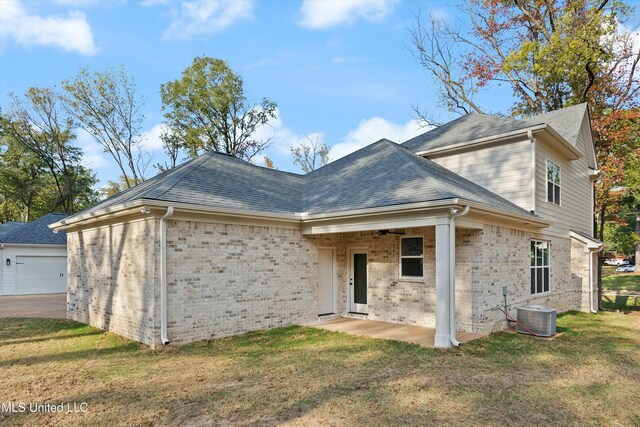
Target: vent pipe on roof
(452, 273)
(163, 275)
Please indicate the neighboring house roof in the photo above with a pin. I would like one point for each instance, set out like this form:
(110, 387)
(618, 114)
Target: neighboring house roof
(37, 232)
(381, 174)
(473, 127)
(9, 227)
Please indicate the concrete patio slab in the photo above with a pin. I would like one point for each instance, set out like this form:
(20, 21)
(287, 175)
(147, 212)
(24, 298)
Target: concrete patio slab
(389, 331)
(45, 305)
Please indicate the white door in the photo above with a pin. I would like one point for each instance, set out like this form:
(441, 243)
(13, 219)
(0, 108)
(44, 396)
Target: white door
(41, 274)
(358, 280)
(325, 281)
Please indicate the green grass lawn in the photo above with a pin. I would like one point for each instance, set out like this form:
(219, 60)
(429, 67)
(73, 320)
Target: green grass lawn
(589, 375)
(621, 291)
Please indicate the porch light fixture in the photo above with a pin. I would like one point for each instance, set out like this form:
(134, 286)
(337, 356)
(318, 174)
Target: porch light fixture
(8, 262)
(145, 210)
(385, 232)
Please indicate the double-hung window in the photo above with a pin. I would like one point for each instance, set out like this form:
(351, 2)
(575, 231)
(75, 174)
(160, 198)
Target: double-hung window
(553, 182)
(540, 267)
(411, 257)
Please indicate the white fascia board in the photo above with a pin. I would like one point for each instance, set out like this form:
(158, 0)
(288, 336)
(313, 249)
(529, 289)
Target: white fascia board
(31, 245)
(131, 207)
(408, 207)
(569, 150)
(374, 225)
(474, 143)
(591, 244)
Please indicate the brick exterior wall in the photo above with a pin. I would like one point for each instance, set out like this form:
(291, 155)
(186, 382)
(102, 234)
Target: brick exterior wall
(228, 279)
(113, 278)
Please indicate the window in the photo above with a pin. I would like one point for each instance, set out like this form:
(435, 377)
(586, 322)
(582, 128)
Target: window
(539, 267)
(553, 182)
(411, 256)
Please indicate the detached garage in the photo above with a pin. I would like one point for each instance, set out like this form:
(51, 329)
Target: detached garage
(33, 259)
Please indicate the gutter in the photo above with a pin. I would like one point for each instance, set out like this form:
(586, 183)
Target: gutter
(452, 273)
(591, 252)
(480, 142)
(163, 276)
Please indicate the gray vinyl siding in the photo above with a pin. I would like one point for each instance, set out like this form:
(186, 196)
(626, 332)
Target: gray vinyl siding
(503, 169)
(575, 210)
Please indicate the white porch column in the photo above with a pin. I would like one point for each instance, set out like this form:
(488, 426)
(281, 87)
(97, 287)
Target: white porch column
(442, 338)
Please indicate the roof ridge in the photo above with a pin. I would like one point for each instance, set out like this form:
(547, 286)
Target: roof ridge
(180, 177)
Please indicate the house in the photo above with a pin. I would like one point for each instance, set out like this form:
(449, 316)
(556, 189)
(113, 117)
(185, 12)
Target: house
(33, 258)
(424, 233)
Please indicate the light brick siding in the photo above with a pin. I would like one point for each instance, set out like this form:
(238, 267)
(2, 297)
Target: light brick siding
(228, 279)
(113, 278)
(486, 260)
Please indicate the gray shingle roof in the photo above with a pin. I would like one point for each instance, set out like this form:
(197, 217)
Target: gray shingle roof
(566, 122)
(37, 232)
(466, 128)
(219, 180)
(10, 227)
(381, 174)
(386, 174)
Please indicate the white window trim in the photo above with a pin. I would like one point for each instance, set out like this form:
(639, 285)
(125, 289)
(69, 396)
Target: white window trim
(550, 269)
(546, 182)
(410, 278)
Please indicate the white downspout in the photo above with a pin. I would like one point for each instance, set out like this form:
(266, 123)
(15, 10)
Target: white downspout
(452, 273)
(163, 275)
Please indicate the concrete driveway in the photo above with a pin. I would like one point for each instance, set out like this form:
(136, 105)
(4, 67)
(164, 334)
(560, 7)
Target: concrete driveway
(46, 305)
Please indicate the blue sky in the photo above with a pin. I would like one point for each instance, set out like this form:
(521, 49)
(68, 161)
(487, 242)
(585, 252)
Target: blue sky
(338, 70)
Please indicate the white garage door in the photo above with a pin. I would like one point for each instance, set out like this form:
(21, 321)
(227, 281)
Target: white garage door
(41, 274)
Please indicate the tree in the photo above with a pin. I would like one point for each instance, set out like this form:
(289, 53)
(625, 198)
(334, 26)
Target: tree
(311, 154)
(553, 54)
(172, 145)
(38, 124)
(208, 109)
(106, 105)
(22, 179)
(114, 187)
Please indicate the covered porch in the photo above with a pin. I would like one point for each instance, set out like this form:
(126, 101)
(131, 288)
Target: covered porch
(420, 335)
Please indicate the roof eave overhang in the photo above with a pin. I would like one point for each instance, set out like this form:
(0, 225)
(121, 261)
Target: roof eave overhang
(431, 208)
(32, 245)
(568, 150)
(139, 205)
(592, 244)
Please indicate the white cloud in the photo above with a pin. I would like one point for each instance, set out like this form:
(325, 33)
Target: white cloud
(207, 16)
(151, 139)
(372, 130)
(72, 33)
(282, 137)
(155, 2)
(319, 14)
